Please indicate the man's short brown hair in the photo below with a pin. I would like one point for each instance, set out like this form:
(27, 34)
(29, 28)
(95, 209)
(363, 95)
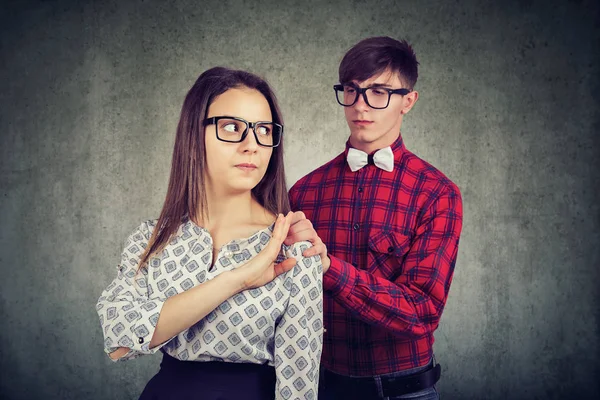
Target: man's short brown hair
(374, 55)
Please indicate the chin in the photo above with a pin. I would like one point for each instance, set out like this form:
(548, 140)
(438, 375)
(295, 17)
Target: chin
(243, 187)
(364, 136)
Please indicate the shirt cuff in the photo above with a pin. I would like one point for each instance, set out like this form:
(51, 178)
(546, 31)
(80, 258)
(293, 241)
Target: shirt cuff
(142, 331)
(339, 277)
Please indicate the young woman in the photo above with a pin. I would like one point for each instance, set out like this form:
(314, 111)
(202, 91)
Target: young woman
(236, 313)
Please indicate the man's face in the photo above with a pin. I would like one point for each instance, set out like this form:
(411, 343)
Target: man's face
(372, 129)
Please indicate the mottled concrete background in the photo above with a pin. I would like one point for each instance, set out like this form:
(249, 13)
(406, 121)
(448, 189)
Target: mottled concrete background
(90, 94)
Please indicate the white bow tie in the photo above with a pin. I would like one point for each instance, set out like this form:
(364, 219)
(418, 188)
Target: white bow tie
(383, 158)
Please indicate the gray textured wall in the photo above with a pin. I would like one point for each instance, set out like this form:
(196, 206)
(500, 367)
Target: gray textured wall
(89, 99)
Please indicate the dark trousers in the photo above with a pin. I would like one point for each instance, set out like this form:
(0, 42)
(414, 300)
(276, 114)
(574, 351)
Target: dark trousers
(338, 387)
(210, 381)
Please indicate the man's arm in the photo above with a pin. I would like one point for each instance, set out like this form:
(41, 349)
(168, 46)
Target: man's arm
(412, 304)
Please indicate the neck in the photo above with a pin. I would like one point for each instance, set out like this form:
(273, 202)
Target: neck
(229, 210)
(387, 139)
(371, 147)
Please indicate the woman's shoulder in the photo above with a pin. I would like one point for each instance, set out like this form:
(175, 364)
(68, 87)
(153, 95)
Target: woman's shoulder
(306, 274)
(295, 251)
(143, 231)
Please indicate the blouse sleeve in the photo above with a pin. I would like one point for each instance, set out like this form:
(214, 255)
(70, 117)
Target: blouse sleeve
(128, 315)
(299, 333)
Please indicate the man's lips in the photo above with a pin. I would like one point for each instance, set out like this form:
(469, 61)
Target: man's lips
(362, 122)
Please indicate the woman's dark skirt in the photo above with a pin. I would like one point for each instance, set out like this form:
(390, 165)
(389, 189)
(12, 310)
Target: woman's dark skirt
(211, 380)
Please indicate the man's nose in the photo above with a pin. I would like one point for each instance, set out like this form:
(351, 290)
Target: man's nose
(361, 104)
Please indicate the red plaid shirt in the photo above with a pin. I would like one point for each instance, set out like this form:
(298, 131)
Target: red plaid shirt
(392, 238)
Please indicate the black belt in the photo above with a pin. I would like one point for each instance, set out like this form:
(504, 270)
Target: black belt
(397, 386)
(391, 386)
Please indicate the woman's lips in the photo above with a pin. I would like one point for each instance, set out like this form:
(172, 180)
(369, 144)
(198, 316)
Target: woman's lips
(246, 167)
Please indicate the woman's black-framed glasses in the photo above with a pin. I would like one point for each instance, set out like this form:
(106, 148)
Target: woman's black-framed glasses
(375, 96)
(234, 130)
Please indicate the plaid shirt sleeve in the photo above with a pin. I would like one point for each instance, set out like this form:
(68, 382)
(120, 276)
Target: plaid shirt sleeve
(412, 304)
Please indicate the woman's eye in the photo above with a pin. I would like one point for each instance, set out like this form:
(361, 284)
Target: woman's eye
(263, 130)
(230, 128)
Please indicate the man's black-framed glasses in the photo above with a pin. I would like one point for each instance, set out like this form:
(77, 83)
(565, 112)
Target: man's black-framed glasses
(234, 130)
(375, 96)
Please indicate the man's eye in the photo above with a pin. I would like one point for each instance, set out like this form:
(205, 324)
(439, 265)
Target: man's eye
(349, 90)
(378, 92)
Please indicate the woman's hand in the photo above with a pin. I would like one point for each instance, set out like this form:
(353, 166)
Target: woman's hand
(262, 269)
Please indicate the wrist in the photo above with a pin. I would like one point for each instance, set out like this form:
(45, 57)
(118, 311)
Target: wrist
(326, 264)
(234, 280)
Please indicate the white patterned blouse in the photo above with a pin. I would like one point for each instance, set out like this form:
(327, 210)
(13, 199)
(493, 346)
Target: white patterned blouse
(280, 323)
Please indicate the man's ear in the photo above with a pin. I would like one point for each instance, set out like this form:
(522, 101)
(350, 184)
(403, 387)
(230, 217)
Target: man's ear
(409, 101)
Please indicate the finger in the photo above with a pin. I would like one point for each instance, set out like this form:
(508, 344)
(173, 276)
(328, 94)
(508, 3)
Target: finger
(301, 231)
(271, 250)
(301, 226)
(278, 225)
(301, 237)
(318, 248)
(284, 266)
(298, 216)
(282, 225)
(286, 227)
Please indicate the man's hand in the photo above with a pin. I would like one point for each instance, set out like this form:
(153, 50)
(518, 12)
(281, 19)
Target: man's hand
(301, 230)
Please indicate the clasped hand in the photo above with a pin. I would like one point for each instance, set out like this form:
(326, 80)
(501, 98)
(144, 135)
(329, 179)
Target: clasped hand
(289, 229)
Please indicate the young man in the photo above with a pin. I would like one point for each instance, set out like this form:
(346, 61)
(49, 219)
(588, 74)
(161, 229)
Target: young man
(391, 224)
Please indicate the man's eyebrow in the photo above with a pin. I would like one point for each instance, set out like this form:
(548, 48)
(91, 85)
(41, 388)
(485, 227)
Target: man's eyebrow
(373, 85)
(376, 85)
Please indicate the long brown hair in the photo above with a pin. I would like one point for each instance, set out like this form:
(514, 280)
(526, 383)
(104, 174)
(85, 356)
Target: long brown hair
(186, 195)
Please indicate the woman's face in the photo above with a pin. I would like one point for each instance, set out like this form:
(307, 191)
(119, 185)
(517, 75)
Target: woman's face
(234, 168)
